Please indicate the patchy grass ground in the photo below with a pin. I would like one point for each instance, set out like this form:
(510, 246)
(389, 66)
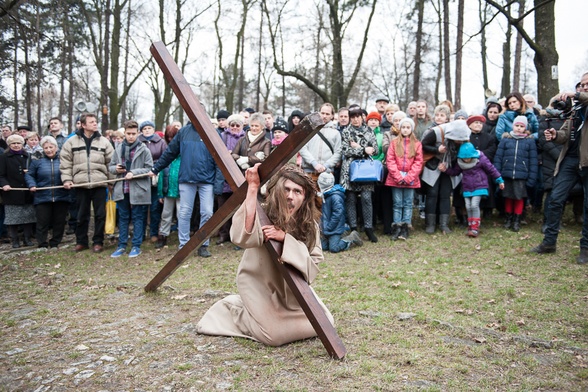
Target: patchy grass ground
(435, 313)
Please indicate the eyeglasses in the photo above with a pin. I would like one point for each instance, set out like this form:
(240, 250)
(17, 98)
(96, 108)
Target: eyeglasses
(352, 115)
(585, 85)
(235, 125)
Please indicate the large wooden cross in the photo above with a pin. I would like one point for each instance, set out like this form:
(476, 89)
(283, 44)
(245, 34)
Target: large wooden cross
(297, 138)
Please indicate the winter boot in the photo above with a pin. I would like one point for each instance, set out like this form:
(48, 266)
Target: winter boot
(161, 241)
(395, 231)
(13, 231)
(28, 234)
(370, 233)
(516, 224)
(508, 221)
(403, 232)
(443, 223)
(583, 258)
(474, 227)
(430, 221)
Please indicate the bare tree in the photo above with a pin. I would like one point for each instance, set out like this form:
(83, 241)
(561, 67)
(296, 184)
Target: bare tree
(458, 54)
(516, 76)
(543, 45)
(446, 50)
(337, 88)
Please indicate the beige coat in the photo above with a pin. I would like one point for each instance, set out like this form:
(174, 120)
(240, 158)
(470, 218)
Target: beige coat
(265, 309)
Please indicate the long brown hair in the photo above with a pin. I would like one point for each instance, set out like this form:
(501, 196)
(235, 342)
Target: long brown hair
(399, 144)
(303, 225)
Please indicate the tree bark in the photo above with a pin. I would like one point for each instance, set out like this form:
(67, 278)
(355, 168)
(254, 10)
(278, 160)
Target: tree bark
(458, 55)
(416, 81)
(446, 50)
(516, 77)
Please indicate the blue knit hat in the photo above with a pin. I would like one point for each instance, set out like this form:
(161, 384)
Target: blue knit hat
(146, 123)
(467, 150)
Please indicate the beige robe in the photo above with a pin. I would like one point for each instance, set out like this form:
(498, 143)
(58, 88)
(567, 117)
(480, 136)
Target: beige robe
(265, 309)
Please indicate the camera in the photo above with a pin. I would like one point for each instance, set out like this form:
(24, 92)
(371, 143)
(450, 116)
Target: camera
(564, 106)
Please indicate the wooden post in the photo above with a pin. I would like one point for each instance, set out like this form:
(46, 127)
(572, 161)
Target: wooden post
(297, 138)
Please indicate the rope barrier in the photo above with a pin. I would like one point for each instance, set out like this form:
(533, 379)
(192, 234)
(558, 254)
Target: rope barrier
(82, 185)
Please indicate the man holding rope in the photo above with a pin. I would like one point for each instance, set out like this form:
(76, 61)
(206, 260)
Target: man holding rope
(84, 160)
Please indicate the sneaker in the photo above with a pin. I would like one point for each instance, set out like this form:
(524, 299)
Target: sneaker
(118, 252)
(135, 251)
(203, 251)
(353, 238)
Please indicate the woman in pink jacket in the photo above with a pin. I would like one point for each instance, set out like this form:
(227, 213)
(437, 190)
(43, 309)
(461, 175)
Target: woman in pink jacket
(404, 161)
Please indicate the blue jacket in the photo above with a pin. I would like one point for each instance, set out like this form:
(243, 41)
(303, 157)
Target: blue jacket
(333, 218)
(517, 159)
(197, 165)
(505, 122)
(45, 172)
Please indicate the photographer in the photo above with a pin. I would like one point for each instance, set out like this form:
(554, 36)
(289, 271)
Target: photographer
(572, 165)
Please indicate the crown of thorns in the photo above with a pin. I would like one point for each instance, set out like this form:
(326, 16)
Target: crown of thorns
(295, 174)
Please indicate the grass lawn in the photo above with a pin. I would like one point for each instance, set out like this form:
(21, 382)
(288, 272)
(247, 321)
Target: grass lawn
(434, 313)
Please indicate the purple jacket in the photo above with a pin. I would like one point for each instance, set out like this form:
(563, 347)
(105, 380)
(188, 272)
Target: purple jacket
(476, 177)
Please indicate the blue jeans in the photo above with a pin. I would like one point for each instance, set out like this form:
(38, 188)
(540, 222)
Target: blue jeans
(402, 199)
(334, 243)
(126, 212)
(566, 178)
(187, 195)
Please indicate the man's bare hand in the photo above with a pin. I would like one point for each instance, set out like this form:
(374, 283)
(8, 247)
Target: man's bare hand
(151, 174)
(120, 169)
(442, 149)
(6, 188)
(549, 134)
(67, 184)
(270, 232)
(252, 176)
(129, 176)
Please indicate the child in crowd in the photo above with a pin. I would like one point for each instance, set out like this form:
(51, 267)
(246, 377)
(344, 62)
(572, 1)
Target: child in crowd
(516, 159)
(168, 192)
(279, 131)
(132, 196)
(476, 168)
(333, 216)
(404, 160)
(486, 143)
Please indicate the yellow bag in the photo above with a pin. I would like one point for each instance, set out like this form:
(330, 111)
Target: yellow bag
(110, 215)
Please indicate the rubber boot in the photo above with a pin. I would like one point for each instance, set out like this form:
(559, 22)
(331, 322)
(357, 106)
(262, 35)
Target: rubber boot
(516, 224)
(28, 234)
(395, 231)
(474, 229)
(430, 221)
(508, 221)
(444, 223)
(13, 231)
(370, 233)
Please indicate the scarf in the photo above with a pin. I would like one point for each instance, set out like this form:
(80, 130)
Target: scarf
(467, 166)
(517, 136)
(125, 151)
(252, 137)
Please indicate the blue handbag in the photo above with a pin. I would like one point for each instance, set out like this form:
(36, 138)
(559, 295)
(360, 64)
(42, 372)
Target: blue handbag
(365, 170)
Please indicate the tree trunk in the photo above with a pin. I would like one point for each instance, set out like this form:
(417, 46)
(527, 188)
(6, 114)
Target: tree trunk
(547, 56)
(104, 77)
(440, 67)
(416, 81)
(258, 87)
(458, 55)
(123, 104)
(15, 74)
(516, 75)
(506, 57)
(113, 91)
(39, 69)
(483, 50)
(446, 50)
